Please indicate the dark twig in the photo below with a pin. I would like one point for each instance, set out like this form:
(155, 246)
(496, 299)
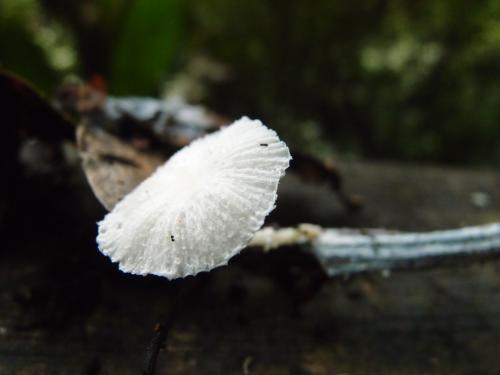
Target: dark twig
(157, 344)
(161, 330)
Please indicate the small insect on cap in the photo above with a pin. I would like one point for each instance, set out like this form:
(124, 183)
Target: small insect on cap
(201, 207)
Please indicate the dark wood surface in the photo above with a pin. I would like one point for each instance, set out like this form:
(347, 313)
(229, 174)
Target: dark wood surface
(64, 309)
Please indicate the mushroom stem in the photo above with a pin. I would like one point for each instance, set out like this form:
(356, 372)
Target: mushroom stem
(183, 288)
(157, 343)
(161, 331)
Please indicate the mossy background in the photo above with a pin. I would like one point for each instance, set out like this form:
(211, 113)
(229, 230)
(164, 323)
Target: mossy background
(415, 81)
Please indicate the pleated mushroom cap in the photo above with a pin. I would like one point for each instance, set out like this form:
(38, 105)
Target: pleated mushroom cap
(201, 207)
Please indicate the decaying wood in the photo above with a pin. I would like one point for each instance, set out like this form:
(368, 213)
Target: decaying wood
(311, 169)
(64, 309)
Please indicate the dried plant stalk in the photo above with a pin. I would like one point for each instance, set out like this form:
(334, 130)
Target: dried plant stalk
(345, 252)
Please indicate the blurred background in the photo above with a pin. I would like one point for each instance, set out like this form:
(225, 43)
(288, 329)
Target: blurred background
(414, 81)
(365, 82)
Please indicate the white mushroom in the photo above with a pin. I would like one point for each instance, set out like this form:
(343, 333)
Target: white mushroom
(201, 207)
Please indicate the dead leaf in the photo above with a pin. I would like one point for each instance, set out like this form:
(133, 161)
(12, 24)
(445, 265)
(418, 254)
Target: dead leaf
(113, 168)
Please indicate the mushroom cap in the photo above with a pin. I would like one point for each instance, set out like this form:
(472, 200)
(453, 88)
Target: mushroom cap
(201, 207)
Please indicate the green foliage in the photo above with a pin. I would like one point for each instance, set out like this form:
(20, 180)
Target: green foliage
(393, 79)
(382, 78)
(20, 50)
(130, 43)
(145, 47)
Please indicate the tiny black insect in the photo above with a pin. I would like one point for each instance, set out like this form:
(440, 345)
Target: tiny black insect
(264, 144)
(172, 238)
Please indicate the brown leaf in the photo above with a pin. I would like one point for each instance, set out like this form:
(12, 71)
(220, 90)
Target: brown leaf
(113, 168)
(123, 140)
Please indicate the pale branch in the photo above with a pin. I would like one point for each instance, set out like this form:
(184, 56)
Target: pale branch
(270, 238)
(350, 251)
